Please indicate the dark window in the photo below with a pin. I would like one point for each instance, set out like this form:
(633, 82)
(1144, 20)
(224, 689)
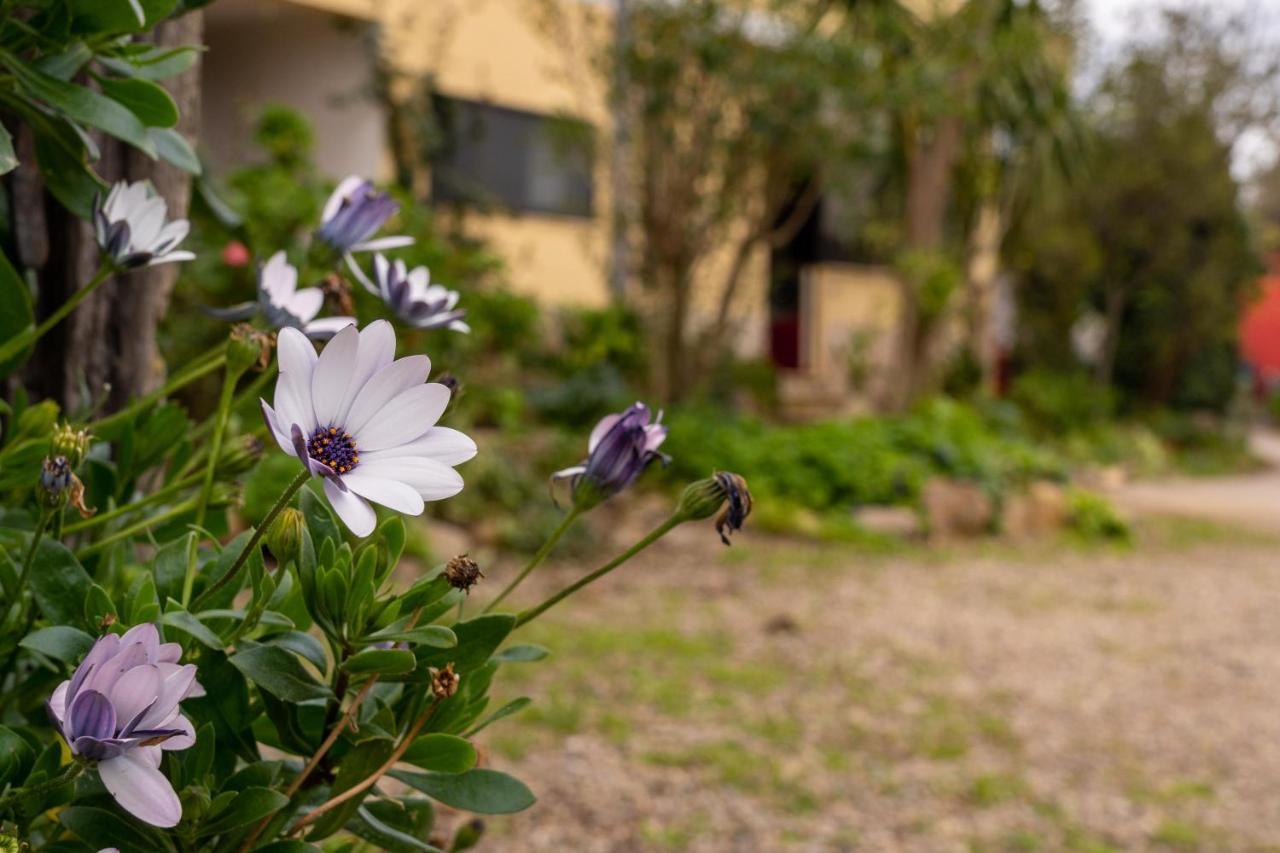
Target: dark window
(493, 156)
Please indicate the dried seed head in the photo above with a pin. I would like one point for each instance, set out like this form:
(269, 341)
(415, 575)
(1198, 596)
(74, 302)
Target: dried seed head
(462, 572)
(70, 443)
(337, 292)
(248, 347)
(444, 682)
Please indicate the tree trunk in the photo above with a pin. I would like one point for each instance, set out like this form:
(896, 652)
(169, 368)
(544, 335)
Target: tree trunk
(983, 274)
(105, 353)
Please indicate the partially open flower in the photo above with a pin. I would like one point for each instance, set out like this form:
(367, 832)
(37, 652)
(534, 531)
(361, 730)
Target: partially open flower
(353, 214)
(71, 443)
(413, 298)
(284, 305)
(620, 447)
(120, 709)
(131, 228)
(366, 423)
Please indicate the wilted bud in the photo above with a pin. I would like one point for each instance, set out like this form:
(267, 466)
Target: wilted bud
(70, 443)
(338, 294)
(449, 381)
(248, 347)
(462, 572)
(722, 492)
(284, 536)
(467, 836)
(55, 478)
(444, 682)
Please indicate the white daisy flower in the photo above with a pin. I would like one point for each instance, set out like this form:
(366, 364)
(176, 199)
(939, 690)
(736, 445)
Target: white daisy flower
(131, 227)
(366, 423)
(283, 305)
(412, 297)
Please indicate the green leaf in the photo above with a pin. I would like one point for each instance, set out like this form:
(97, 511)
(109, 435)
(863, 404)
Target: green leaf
(173, 148)
(279, 673)
(59, 583)
(289, 845)
(477, 640)
(382, 661)
(505, 711)
(101, 828)
(15, 301)
(60, 642)
(441, 753)
(300, 643)
(155, 64)
(153, 106)
(98, 607)
(176, 617)
(118, 16)
(251, 804)
(375, 830)
(170, 566)
(16, 757)
(8, 159)
(356, 766)
(81, 104)
(482, 791)
(522, 654)
(436, 636)
(320, 520)
(65, 174)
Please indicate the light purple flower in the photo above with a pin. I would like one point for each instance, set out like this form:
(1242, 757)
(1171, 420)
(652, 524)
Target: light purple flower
(283, 304)
(366, 423)
(621, 446)
(120, 709)
(131, 228)
(353, 214)
(412, 296)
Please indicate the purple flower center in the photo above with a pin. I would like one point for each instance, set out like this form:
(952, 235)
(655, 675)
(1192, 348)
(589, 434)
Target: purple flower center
(335, 448)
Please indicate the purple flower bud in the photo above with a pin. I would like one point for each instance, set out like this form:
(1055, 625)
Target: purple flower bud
(620, 448)
(120, 709)
(354, 213)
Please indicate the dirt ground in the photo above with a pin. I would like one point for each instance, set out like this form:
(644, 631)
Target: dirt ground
(783, 695)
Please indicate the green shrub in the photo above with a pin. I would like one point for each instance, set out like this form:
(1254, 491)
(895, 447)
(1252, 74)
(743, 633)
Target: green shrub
(1092, 517)
(1062, 402)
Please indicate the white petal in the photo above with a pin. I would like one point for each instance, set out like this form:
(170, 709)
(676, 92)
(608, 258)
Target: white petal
(383, 387)
(173, 233)
(297, 355)
(58, 701)
(172, 258)
(135, 691)
(354, 511)
(145, 225)
(383, 243)
(182, 741)
(140, 788)
(328, 325)
(339, 193)
(389, 492)
(432, 480)
(606, 424)
(279, 278)
(175, 683)
(408, 415)
(332, 375)
(439, 443)
(304, 304)
(293, 404)
(377, 349)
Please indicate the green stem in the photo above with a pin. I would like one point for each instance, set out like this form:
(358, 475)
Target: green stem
(158, 496)
(72, 770)
(17, 344)
(653, 536)
(283, 501)
(215, 448)
(134, 529)
(203, 366)
(563, 527)
(30, 558)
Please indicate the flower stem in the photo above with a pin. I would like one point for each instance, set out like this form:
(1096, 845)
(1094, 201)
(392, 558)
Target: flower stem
(36, 536)
(560, 530)
(260, 531)
(158, 496)
(653, 536)
(360, 787)
(16, 344)
(202, 366)
(215, 447)
(145, 524)
(72, 770)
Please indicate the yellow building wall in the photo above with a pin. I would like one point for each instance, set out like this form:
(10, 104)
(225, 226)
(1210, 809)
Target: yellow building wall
(843, 303)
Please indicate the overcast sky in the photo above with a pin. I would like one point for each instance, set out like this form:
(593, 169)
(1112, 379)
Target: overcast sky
(1117, 22)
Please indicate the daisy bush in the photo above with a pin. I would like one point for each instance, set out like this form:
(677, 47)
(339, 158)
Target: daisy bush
(179, 673)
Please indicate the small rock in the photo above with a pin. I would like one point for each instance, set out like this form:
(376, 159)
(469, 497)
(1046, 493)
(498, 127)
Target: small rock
(955, 509)
(899, 521)
(782, 623)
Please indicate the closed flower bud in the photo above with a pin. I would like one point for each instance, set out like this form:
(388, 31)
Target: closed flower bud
(444, 682)
(467, 836)
(737, 504)
(248, 347)
(284, 536)
(462, 572)
(701, 499)
(70, 443)
(55, 478)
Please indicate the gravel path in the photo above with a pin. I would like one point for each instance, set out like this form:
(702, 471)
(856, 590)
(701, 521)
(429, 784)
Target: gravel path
(790, 696)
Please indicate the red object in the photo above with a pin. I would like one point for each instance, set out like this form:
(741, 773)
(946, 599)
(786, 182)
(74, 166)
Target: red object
(235, 254)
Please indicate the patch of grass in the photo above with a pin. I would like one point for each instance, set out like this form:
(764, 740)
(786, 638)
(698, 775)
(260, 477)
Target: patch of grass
(677, 835)
(513, 744)
(1179, 835)
(778, 730)
(992, 789)
(1174, 532)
